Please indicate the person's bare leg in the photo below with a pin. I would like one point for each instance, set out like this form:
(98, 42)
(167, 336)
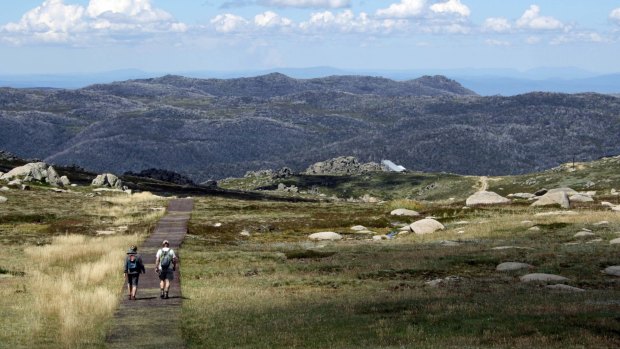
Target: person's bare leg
(167, 288)
(133, 292)
(161, 288)
(129, 290)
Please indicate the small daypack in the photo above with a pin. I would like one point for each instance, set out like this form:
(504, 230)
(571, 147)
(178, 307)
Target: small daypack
(132, 264)
(165, 260)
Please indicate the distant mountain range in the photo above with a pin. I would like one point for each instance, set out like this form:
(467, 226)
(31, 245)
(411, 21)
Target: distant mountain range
(486, 82)
(215, 128)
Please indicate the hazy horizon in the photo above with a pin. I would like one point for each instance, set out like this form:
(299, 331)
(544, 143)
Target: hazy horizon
(90, 36)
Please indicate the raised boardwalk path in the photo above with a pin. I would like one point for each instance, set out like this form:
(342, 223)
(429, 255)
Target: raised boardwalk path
(151, 322)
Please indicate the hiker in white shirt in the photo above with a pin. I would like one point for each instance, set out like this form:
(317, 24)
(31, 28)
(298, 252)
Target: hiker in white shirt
(166, 264)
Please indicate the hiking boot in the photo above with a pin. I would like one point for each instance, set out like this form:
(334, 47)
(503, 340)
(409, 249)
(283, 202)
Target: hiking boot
(161, 295)
(129, 297)
(166, 295)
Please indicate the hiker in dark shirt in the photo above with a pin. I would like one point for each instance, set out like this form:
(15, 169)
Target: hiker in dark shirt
(133, 268)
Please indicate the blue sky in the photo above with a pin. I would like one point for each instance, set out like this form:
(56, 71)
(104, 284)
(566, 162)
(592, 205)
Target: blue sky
(62, 36)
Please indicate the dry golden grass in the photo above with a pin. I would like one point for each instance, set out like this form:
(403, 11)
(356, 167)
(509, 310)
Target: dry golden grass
(126, 209)
(75, 285)
(406, 203)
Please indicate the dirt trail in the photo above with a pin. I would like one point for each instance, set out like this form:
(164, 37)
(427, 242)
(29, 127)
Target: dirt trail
(151, 322)
(484, 183)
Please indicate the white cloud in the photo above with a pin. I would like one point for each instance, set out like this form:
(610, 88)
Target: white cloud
(494, 42)
(347, 22)
(404, 9)
(578, 37)
(56, 22)
(271, 19)
(228, 23)
(497, 24)
(614, 15)
(451, 7)
(53, 21)
(531, 19)
(308, 3)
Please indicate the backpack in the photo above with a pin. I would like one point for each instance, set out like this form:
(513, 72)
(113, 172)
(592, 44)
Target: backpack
(132, 264)
(165, 260)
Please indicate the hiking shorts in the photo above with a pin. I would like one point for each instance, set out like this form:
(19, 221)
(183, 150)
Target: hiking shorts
(166, 275)
(132, 279)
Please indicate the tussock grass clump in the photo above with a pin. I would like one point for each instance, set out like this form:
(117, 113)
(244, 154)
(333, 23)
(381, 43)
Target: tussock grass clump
(75, 286)
(406, 203)
(130, 209)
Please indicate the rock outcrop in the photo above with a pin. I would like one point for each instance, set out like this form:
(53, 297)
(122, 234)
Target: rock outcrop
(553, 198)
(107, 180)
(486, 198)
(342, 166)
(36, 172)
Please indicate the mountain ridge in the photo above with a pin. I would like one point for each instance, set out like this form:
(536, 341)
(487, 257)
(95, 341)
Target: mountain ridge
(133, 125)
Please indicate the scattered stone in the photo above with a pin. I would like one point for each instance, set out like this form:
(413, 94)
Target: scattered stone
(614, 241)
(553, 198)
(594, 241)
(486, 198)
(4, 189)
(65, 182)
(534, 229)
(245, 233)
(527, 222)
(358, 227)
(217, 225)
(25, 187)
(380, 237)
(461, 232)
(607, 204)
(521, 196)
(364, 232)
(612, 270)
(444, 281)
(580, 198)
(583, 233)
(556, 213)
(512, 266)
(542, 278)
(122, 228)
(97, 190)
(404, 212)
(15, 183)
(564, 288)
(325, 236)
(426, 226)
(106, 232)
(511, 247)
(3, 199)
(601, 223)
